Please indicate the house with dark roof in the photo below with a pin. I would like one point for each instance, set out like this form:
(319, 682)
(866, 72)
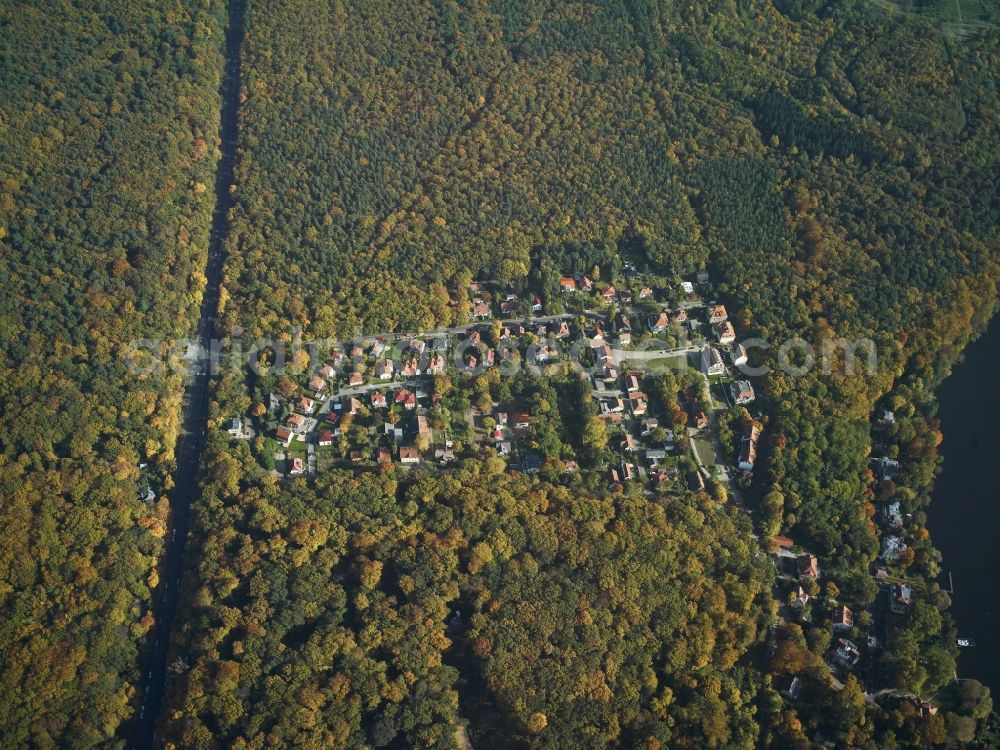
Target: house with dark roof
(724, 332)
(808, 566)
(843, 618)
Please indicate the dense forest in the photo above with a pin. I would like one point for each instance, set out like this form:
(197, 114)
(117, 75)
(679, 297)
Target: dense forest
(832, 162)
(324, 614)
(107, 150)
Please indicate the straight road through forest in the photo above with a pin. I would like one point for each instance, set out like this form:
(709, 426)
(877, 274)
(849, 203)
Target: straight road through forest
(191, 441)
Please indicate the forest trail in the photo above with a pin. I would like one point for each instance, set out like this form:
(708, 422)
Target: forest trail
(191, 441)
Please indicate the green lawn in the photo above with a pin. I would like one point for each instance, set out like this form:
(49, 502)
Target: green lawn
(674, 363)
(706, 451)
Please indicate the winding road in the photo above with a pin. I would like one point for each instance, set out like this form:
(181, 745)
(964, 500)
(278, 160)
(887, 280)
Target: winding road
(191, 441)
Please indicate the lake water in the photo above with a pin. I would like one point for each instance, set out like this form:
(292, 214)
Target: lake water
(964, 517)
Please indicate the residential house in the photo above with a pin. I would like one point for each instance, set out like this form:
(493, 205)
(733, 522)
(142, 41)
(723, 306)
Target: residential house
(325, 438)
(306, 405)
(893, 514)
(711, 361)
(681, 316)
(317, 384)
(235, 427)
(536, 303)
(638, 404)
(609, 294)
(297, 466)
(531, 464)
(623, 323)
(296, 421)
(801, 598)
(378, 400)
(742, 391)
(717, 314)
(473, 337)
(628, 473)
(508, 307)
(648, 425)
(893, 547)
(406, 398)
(613, 476)
(739, 355)
(609, 376)
(655, 454)
(480, 309)
(521, 420)
(846, 654)
(748, 449)
(645, 292)
(625, 296)
(700, 419)
(567, 284)
(724, 332)
(384, 369)
(586, 285)
(887, 466)
(901, 595)
(612, 405)
(789, 686)
(604, 355)
(408, 454)
(504, 448)
(351, 405)
(658, 323)
(423, 426)
(808, 566)
(701, 277)
(384, 456)
(379, 347)
(624, 338)
(562, 330)
(436, 364)
(355, 379)
(631, 382)
(284, 436)
(326, 371)
(687, 287)
(444, 455)
(843, 618)
(783, 542)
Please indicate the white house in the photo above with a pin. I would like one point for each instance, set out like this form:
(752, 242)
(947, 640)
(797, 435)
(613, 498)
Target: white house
(711, 361)
(739, 355)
